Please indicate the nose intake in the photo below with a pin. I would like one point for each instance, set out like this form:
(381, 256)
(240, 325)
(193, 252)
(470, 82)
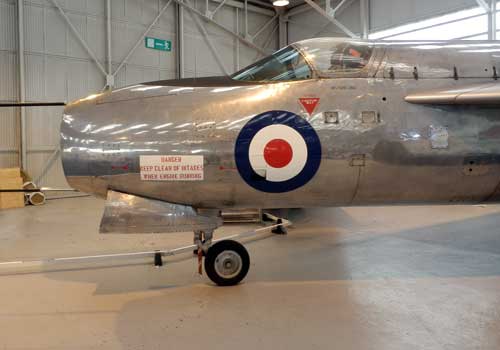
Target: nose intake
(74, 146)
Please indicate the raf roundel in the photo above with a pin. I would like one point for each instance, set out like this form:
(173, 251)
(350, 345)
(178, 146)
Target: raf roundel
(277, 151)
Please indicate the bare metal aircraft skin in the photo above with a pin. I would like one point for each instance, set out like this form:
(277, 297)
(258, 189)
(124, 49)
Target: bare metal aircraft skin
(324, 122)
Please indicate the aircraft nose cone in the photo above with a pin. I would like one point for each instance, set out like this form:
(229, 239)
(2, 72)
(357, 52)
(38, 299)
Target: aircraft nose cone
(74, 144)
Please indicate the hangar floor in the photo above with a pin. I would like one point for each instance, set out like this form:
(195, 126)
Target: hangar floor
(346, 278)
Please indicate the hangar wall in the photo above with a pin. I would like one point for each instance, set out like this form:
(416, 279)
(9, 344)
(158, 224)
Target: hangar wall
(383, 14)
(389, 13)
(58, 68)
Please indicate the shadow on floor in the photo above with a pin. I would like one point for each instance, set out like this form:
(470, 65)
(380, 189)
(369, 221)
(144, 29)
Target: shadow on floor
(315, 251)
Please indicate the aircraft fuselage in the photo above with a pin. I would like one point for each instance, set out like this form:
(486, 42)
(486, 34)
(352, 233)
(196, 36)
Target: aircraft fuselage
(374, 147)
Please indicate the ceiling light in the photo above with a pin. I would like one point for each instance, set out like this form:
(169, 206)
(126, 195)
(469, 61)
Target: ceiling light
(280, 2)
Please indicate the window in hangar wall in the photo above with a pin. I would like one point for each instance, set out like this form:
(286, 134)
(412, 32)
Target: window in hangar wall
(470, 24)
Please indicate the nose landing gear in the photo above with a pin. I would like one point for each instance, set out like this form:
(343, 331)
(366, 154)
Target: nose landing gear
(227, 262)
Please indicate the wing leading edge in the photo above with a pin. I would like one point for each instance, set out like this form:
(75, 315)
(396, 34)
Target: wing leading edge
(477, 94)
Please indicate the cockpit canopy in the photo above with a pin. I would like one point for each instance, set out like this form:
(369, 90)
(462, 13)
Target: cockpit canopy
(320, 58)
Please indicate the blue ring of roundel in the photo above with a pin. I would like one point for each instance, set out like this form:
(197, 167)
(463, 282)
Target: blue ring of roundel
(261, 121)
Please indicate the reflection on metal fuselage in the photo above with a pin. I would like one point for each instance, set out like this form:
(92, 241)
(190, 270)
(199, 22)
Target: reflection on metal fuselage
(378, 149)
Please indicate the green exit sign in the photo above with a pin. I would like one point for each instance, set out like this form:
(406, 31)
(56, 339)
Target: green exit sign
(158, 44)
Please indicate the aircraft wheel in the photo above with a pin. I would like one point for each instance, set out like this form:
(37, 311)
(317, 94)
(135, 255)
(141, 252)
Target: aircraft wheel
(227, 263)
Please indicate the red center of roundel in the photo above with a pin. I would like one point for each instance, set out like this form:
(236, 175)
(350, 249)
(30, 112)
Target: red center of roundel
(278, 153)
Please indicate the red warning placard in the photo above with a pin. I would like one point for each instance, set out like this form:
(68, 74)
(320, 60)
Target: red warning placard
(171, 168)
(309, 103)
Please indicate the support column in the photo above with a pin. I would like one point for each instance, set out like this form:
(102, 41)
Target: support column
(492, 20)
(245, 35)
(237, 42)
(110, 78)
(22, 125)
(180, 41)
(364, 6)
(283, 31)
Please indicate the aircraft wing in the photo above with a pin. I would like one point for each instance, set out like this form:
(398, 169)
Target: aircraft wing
(476, 94)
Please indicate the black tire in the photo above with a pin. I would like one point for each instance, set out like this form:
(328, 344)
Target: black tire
(231, 252)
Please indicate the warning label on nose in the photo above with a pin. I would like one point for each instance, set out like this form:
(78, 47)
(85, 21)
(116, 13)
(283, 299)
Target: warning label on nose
(171, 168)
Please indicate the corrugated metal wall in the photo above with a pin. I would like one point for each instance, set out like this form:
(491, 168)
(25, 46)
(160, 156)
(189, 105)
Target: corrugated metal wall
(58, 67)
(383, 14)
(391, 13)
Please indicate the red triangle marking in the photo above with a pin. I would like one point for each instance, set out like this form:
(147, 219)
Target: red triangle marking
(309, 103)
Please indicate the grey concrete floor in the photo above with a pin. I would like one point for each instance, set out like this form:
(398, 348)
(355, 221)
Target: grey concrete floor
(344, 278)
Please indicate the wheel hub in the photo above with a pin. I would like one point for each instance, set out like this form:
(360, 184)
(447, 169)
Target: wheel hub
(228, 264)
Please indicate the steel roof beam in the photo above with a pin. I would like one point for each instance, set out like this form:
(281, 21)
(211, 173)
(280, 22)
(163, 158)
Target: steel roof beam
(305, 7)
(268, 11)
(125, 60)
(338, 7)
(262, 28)
(211, 14)
(209, 42)
(483, 4)
(225, 29)
(322, 12)
(79, 38)
(268, 41)
(338, 12)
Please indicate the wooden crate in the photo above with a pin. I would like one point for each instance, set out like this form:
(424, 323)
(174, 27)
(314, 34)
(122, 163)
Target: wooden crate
(10, 178)
(9, 173)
